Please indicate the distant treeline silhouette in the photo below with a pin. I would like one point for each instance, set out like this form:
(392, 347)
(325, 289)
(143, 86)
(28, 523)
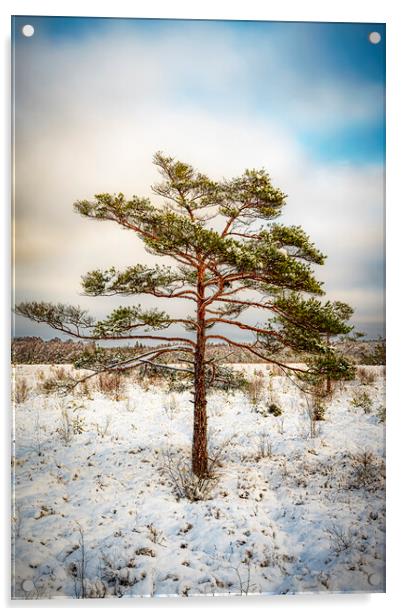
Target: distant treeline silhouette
(35, 350)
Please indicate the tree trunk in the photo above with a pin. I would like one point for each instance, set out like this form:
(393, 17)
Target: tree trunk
(328, 379)
(200, 450)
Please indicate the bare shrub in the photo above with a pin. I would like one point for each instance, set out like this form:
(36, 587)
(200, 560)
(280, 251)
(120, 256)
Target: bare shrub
(368, 471)
(244, 581)
(255, 387)
(69, 425)
(217, 451)
(242, 572)
(155, 535)
(111, 384)
(21, 391)
(365, 375)
(362, 400)
(102, 430)
(341, 539)
(184, 482)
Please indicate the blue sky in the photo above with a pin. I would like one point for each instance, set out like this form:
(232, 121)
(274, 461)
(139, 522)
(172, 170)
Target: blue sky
(309, 53)
(96, 97)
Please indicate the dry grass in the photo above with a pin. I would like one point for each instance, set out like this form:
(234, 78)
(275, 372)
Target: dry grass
(256, 387)
(366, 376)
(86, 389)
(112, 385)
(21, 391)
(48, 386)
(60, 373)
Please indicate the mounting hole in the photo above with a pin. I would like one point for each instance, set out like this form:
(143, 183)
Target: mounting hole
(28, 30)
(27, 585)
(374, 38)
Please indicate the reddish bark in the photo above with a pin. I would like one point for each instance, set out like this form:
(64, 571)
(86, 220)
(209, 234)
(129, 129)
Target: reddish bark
(200, 451)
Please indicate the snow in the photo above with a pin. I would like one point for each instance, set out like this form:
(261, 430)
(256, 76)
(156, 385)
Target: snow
(96, 512)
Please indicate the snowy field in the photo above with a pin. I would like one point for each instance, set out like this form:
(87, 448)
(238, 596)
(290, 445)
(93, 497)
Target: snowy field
(296, 506)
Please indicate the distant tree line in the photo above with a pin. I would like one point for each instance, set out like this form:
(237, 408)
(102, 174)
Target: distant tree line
(35, 350)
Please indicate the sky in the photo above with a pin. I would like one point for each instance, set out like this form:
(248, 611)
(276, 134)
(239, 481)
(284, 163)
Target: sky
(94, 99)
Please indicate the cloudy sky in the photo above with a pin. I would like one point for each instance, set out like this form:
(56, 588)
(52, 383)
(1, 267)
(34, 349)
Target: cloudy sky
(95, 98)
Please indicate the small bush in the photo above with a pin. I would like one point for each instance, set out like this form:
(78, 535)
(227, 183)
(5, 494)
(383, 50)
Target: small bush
(368, 471)
(362, 400)
(274, 409)
(271, 408)
(319, 411)
(21, 391)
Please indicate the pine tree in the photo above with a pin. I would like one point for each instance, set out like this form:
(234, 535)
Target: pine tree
(230, 256)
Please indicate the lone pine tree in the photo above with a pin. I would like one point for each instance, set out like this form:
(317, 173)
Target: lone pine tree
(229, 257)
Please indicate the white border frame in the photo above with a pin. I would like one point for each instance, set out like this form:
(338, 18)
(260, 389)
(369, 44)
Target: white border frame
(378, 11)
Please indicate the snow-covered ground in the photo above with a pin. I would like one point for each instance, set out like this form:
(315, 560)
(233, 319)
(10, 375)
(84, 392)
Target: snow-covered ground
(97, 510)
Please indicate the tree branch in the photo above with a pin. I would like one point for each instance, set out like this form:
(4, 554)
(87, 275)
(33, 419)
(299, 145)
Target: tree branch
(252, 350)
